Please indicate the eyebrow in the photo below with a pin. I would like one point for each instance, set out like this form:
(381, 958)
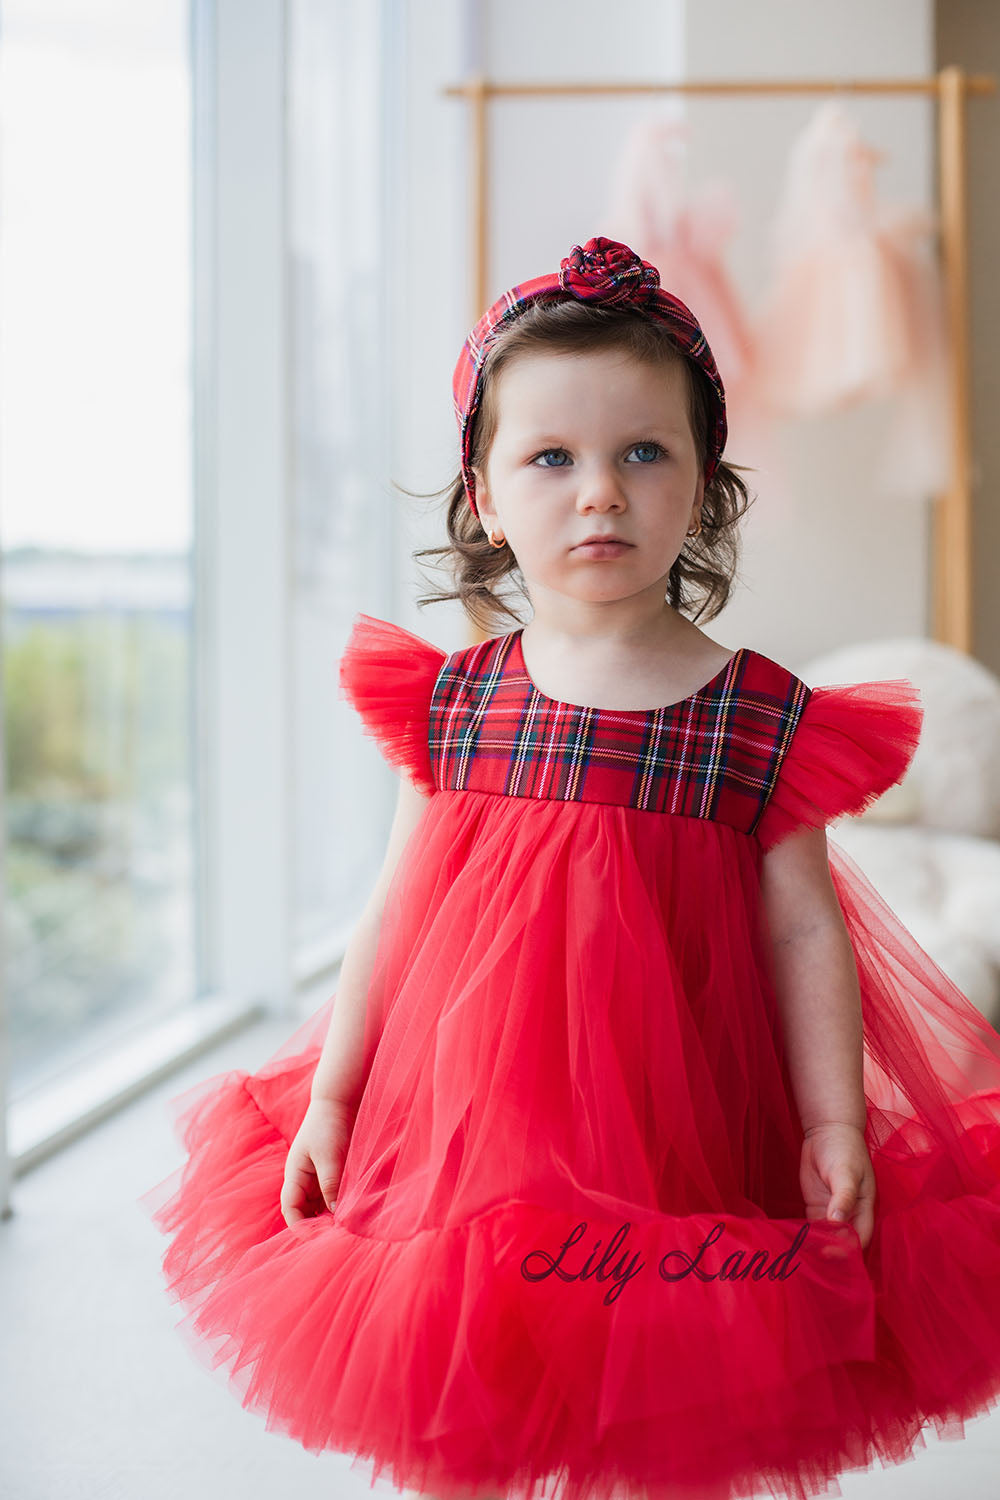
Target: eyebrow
(654, 429)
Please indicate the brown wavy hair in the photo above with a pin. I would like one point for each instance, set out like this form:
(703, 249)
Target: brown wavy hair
(701, 579)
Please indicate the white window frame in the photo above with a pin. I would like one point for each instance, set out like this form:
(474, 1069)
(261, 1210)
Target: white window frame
(240, 638)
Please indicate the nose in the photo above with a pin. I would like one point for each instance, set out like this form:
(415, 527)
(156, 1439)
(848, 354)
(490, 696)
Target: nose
(599, 489)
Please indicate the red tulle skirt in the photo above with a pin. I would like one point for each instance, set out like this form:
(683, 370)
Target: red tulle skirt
(569, 1254)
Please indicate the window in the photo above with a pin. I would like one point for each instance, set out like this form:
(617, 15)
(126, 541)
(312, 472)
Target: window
(196, 501)
(95, 524)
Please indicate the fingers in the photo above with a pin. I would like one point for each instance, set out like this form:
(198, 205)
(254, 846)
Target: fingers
(328, 1189)
(328, 1170)
(864, 1223)
(864, 1216)
(297, 1188)
(852, 1200)
(291, 1209)
(309, 1187)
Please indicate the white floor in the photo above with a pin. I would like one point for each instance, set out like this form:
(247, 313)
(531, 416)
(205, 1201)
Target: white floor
(99, 1398)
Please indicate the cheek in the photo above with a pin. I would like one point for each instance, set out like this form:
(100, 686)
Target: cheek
(538, 541)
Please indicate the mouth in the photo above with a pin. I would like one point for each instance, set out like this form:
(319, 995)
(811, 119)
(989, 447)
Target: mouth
(602, 546)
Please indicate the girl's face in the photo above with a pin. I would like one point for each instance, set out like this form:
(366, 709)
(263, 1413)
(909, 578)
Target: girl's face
(592, 443)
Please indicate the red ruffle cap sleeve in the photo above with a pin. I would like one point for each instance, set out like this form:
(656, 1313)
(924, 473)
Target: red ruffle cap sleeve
(388, 674)
(851, 743)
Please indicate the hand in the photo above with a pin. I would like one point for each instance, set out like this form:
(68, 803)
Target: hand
(315, 1160)
(837, 1177)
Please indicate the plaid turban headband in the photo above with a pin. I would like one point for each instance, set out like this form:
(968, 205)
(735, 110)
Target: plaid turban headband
(602, 270)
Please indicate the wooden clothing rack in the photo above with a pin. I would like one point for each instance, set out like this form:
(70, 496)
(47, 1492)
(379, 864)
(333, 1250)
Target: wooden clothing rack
(951, 546)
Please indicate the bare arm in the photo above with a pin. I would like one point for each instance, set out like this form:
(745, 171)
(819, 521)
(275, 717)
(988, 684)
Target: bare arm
(338, 1071)
(817, 981)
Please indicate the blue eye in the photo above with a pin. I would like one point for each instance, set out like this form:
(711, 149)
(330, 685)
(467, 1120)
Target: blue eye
(659, 449)
(650, 444)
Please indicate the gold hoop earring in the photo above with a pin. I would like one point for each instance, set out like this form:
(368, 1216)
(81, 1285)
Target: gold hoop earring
(501, 543)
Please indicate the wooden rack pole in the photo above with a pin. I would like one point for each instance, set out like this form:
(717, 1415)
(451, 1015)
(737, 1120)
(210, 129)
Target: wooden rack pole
(951, 533)
(478, 192)
(951, 550)
(977, 83)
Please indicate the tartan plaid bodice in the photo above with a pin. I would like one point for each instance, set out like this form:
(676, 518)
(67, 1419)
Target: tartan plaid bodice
(715, 754)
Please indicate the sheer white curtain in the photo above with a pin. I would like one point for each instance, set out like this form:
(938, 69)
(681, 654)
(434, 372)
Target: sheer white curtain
(341, 126)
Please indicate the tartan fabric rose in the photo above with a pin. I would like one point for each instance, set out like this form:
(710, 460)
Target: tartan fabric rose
(607, 271)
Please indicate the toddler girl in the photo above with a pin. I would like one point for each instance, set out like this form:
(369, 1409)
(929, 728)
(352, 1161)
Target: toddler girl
(641, 1150)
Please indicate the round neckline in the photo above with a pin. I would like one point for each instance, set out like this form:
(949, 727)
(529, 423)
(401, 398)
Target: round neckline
(699, 692)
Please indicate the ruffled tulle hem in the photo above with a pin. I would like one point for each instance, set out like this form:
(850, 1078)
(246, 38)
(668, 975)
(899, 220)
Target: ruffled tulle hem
(545, 1353)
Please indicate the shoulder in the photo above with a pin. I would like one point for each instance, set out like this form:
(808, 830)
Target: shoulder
(472, 668)
(762, 674)
(769, 700)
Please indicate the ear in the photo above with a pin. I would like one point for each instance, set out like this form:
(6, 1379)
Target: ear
(484, 505)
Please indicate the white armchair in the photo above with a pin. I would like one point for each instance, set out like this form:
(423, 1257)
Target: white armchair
(931, 846)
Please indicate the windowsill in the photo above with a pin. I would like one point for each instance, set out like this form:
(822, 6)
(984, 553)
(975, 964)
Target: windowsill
(50, 1116)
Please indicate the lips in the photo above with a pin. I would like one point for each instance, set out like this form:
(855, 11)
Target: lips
(607, 537)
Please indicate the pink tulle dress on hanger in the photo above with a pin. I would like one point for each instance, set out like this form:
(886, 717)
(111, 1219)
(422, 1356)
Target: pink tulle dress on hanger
(569, 1254)
(855, 310)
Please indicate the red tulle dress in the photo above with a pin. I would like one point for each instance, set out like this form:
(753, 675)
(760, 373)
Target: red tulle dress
(569, 1255)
